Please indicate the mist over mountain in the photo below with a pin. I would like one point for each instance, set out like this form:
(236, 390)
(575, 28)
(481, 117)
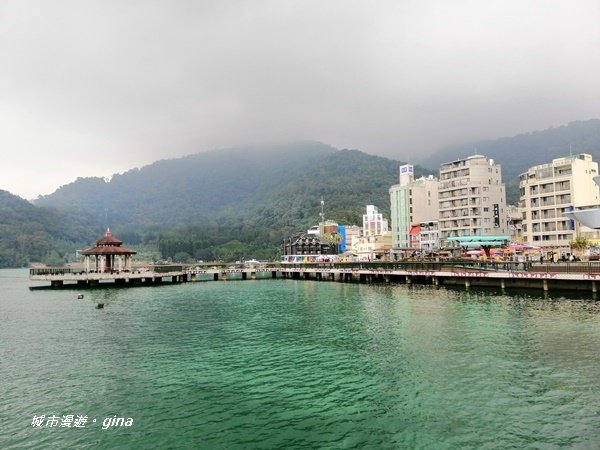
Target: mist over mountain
(197, 187)
(518, 153)
(237, 183)
(227, 204)
(242, 202)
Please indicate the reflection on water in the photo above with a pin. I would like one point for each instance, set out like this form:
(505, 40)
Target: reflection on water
(300, 364)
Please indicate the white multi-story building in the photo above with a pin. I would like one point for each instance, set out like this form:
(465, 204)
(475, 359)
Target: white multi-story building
(411, 202)
(349, 233)
(472, 199)
(372, 248)
(547, 191)
(373, 222)
(515, 223)
(375, 241)
(424, 236)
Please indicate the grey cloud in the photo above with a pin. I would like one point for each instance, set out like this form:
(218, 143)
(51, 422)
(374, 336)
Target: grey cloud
(130, 82)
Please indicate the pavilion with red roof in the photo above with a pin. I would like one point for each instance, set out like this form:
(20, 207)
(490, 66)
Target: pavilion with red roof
(108, 255)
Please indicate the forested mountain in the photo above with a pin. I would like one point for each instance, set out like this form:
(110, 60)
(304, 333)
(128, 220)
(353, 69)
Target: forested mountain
(517, 154)
(241, 203)
(29, 233)
(231, 204)
(196, 187)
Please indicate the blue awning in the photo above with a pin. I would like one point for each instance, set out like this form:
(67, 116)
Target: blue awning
(479, 241)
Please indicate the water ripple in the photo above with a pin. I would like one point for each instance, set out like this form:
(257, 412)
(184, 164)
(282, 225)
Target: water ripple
(294, 364)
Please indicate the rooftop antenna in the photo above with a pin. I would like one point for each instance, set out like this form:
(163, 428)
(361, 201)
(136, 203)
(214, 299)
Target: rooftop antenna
(322, 215)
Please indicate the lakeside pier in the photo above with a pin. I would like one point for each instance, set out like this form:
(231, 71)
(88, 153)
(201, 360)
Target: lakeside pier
(577, 276)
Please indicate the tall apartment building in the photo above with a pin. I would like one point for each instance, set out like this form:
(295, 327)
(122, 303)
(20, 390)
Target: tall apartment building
(472, 199)
(373, 222)
(411, 202)
(549, 190)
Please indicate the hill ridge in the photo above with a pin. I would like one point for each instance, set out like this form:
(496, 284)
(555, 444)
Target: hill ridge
(518, 153)
(231, 203)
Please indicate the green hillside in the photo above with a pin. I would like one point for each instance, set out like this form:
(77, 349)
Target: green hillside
(29, 233)
(241, 203)
(169, 192)
(232, 204)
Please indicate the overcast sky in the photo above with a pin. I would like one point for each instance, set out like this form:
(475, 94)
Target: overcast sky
(92, 88)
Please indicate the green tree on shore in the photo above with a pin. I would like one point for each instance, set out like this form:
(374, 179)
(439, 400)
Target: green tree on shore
(580, 244)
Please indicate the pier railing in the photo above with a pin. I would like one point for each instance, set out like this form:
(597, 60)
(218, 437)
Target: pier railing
(460, 264)
(166, 268)
(50, 271)
(591, 267)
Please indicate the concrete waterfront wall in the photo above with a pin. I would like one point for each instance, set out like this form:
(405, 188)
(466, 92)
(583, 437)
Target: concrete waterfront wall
(542, 278)
(543, 281)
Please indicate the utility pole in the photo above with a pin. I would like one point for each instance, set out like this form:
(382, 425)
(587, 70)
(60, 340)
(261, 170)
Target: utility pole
(322, 217)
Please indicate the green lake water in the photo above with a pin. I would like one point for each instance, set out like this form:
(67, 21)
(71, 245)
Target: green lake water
(291, 364)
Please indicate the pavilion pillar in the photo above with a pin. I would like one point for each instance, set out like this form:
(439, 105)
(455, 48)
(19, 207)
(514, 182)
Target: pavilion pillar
(108, 255)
